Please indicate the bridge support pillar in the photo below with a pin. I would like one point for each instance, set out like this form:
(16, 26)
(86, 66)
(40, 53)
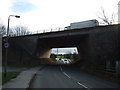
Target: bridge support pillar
(84, 49)
(44, 53)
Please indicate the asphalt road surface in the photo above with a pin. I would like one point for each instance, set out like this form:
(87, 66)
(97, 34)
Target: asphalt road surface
(68, 77)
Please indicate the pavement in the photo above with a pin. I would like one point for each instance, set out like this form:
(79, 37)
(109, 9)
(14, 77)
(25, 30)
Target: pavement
(23, 79)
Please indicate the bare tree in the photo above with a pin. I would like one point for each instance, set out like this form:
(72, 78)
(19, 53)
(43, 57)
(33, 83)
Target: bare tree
(19, 30)
(2, 28)
(105, 19)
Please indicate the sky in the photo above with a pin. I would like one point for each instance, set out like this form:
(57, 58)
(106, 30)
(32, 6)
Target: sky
(45, 14)
(39, 15)
(64, 50)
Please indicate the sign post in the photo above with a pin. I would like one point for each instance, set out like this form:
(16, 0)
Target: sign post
(6, 45)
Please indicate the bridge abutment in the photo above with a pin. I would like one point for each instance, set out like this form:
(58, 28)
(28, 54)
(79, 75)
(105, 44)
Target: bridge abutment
(84, 49)
(44, 52)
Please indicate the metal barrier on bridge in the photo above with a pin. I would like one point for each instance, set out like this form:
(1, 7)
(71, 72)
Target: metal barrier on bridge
(49, 30)
(40, 31)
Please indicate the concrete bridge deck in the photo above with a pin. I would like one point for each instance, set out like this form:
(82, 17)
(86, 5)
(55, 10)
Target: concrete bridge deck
(96, 43)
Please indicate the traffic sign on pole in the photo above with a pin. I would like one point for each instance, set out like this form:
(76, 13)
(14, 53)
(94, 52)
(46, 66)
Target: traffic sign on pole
(6, 45)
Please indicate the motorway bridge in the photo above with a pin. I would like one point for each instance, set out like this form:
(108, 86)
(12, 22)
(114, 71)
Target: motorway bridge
(99, 44)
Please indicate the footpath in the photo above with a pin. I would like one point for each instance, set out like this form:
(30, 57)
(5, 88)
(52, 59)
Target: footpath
(23, 79)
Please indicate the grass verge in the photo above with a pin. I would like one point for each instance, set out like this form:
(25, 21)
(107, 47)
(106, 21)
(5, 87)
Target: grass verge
(10, 75)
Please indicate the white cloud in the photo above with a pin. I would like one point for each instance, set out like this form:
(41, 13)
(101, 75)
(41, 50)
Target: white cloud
(57, 13)
(4, 9)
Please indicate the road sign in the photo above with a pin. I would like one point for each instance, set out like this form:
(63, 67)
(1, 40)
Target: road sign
(6, 45)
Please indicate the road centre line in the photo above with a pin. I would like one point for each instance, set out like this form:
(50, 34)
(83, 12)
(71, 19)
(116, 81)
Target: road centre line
(70, 77)
(61, 68)
(66, 75)
(83, 86)
(64, 72)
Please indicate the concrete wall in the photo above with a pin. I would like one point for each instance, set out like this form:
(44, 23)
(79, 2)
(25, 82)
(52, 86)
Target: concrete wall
(97, 46)
(105, 47)
(84, 49)
(44, 53)
(25, 50)
(101, 48)
(21, 50)
(104, 42)
(28, 43)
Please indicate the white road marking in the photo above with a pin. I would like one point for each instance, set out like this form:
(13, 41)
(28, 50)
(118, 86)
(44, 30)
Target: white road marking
(70, 77)
(61, 68)
(64, 72)
(66, 75)
(83, 85)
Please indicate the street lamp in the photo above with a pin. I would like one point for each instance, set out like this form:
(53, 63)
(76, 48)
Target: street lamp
(9, 22)
(7, 44)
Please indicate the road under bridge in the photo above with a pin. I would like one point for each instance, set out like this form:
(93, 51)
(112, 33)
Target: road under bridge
(100, 43)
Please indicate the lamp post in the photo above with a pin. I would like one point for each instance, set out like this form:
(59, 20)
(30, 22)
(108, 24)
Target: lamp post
(119, 12)
(7, 44)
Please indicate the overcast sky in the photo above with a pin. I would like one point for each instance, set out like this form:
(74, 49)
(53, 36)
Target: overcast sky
(45, 14)
(65, 50)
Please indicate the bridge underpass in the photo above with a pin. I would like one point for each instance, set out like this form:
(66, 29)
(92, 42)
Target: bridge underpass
(96, 44)
(80, 42)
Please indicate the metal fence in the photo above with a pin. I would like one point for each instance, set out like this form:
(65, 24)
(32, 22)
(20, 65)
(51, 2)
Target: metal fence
(49, 30)
(39, 31)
